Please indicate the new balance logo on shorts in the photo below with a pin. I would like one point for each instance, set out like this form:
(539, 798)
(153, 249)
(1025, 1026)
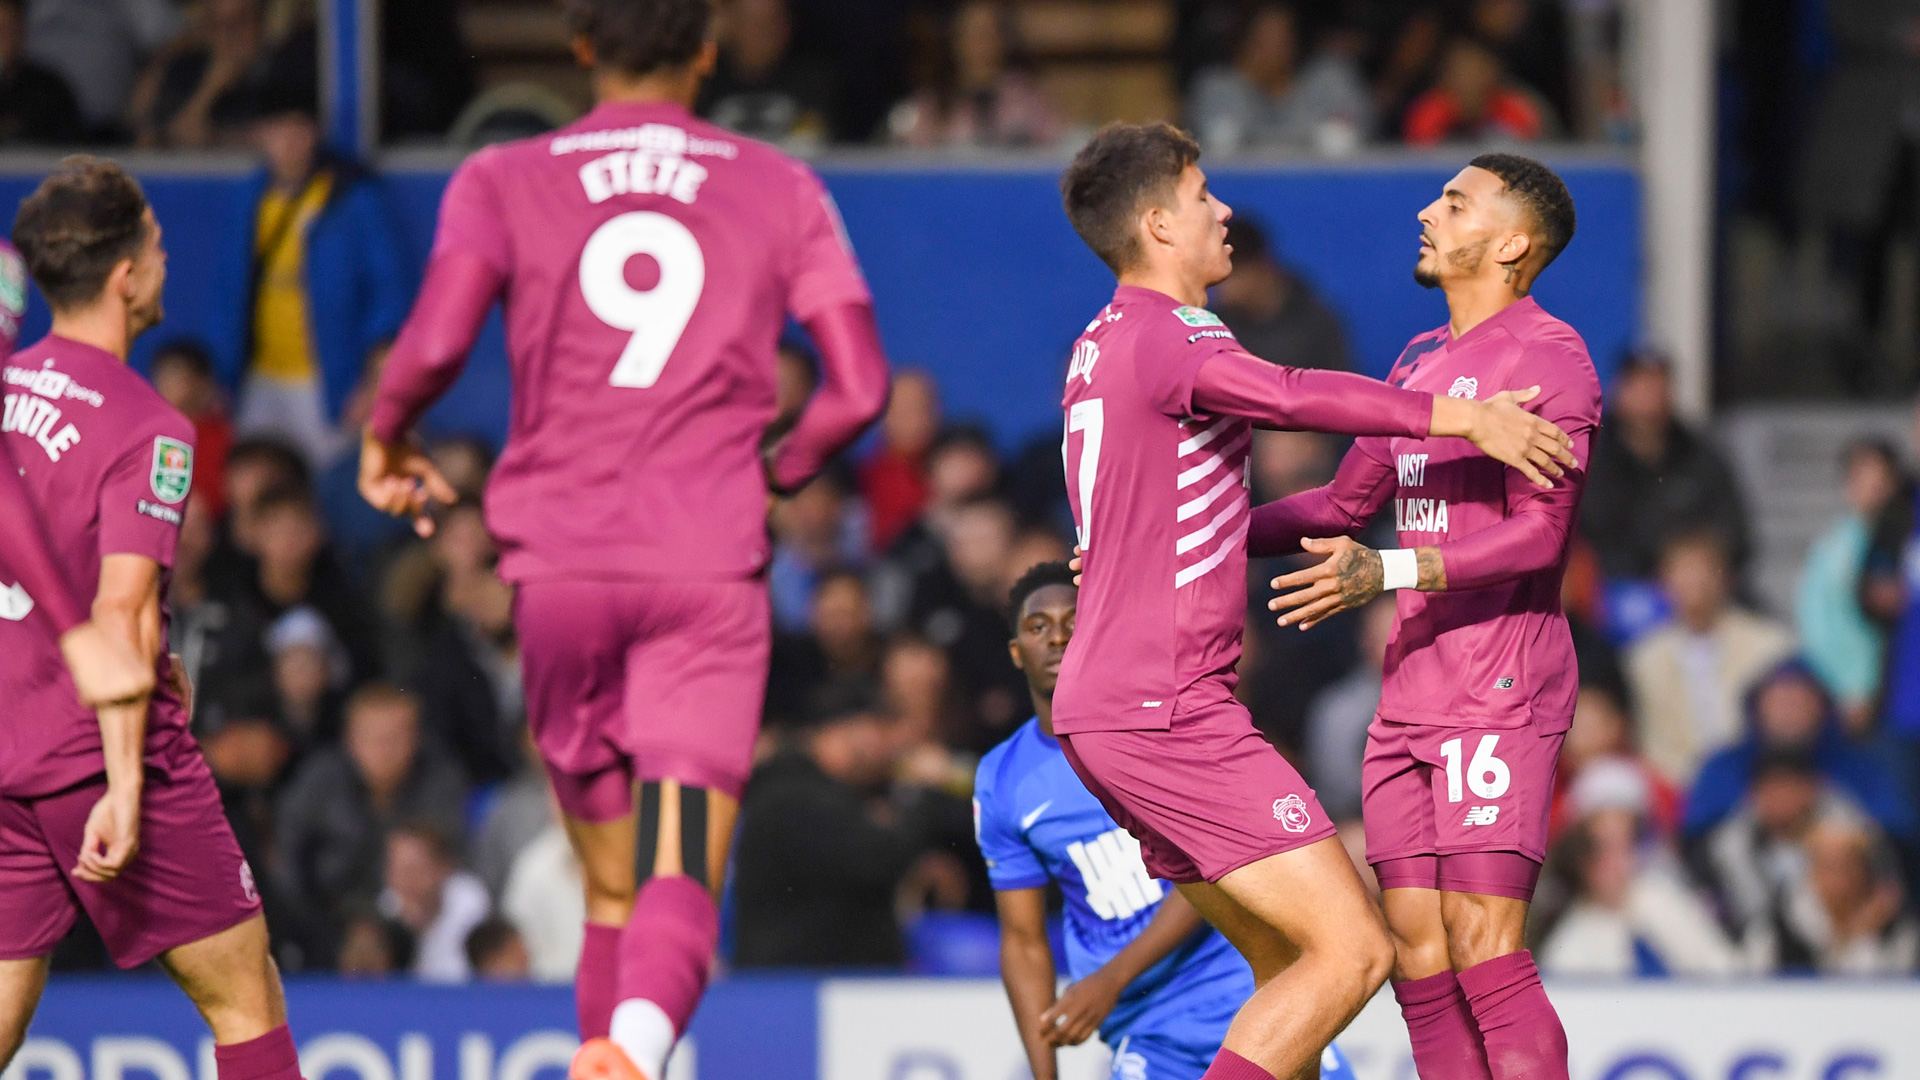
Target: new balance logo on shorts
(1482, 815)
(1115, 875)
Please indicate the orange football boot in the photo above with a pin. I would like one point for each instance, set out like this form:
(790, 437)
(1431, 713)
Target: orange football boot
(602, 1059)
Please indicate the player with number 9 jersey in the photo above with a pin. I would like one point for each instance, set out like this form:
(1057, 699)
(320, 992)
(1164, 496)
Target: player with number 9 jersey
(648, 263)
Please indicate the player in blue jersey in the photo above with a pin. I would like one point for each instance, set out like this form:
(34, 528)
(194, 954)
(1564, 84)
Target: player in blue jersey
(1158, 984)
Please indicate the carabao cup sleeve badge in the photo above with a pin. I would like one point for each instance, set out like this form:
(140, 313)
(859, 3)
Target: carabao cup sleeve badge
(172, 469)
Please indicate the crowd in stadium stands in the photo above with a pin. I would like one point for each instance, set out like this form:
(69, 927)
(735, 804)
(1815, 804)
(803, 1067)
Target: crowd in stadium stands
(1738, 791)
(1255, 75)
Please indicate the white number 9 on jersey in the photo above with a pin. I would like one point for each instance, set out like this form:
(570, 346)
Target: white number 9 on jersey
(655, 317)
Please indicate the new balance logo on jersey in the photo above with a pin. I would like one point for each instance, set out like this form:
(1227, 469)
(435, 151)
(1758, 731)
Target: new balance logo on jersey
(1482, 815)
(1464, 387)
(1503, 684)
(1115, 876)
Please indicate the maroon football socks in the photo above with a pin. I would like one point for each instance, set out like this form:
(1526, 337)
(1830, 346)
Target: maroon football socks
(1446, 1041)
(595, 982)
(269, 1057)
(1521, 1032)
(666, 954)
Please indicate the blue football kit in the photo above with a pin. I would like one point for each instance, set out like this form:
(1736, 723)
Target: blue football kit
(1037, 823)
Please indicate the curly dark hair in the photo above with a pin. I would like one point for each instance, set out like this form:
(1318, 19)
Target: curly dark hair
(641, 36)
(1037, 577)
(82, 221)
(1541, 191)
(1119, 169)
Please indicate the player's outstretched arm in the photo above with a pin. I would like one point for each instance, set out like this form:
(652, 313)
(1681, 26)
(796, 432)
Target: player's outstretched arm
(395, 477)
(1508, 433)
(127, 607)
(852, 394)
(1026, 970)
(1343, 507)
(104, 671)
(1077, 1015)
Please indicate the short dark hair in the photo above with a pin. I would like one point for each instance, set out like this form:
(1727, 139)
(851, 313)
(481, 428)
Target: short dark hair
(641, 36)
(1037, 577)
(82, 221)
(186, 353)
(1119, 169)
(488, 936)
(274, 454)
(1541, 191)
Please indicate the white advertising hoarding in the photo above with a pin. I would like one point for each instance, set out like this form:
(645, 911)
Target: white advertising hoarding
(960, 1029)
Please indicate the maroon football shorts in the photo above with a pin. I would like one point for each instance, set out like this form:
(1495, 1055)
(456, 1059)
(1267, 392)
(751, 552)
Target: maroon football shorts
(1463, 809)
(188, 880)
(1205, 797)
(635, 681)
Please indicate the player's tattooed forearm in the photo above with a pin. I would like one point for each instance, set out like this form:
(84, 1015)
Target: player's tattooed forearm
(1361, 576)
(1433, 570)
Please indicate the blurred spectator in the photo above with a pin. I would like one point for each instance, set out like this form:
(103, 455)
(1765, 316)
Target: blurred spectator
(372, 947)
(98, 49)
(913, 578)
(426, 72)
(1853, 911)
(1855, 182)
(978, 89)
(1267, 99)
(1757, 859)
(310, 672)
(497, 953)
(894, 480)
(760, 87)
(1632, 912)
(1788, 711)
(297, 566)
(971, 624)
(1690, 675)
(1890, 595)
(330, 837)
(518, 813)
(182, 372)
(469, 677)
(1651, 477)
(544, 899)
(428, 893)
(1840, 643)
(1474, 99)
(841, 651)
(37, 107)
(865, 43)
(225, 70)
(328, 288)
(917, 680)
(796, 378)
(1338, 718)
(1601, 742)
(811, 538)
(1531, 38)
(1273, 312)
(818, 860)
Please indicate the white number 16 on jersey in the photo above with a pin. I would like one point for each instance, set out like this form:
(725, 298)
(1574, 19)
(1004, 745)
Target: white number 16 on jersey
(655, 317)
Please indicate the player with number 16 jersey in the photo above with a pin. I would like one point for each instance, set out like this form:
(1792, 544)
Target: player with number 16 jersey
(648, 263)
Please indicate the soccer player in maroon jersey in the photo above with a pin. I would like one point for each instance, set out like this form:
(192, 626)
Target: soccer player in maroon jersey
(1160, 403)
(1480, 676)
(106, 466)
(648, 262)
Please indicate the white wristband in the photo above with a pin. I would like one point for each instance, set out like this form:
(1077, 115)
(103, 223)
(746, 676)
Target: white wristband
(1400, 568)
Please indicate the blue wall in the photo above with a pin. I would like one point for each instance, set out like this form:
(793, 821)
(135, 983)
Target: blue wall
(979, 278)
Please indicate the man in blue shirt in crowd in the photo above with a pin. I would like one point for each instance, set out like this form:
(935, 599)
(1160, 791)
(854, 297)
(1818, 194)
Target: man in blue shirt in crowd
(1158, 984)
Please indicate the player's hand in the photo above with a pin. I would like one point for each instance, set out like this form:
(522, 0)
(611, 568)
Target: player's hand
(1508, 433)
(1073, 564)
(1350, 577)
(105, 669)
(1075, 1018)
(112, 835)
(400, 480)
(180, 682)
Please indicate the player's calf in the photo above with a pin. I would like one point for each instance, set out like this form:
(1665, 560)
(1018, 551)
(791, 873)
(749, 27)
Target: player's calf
(21, 982)
(231, 979)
